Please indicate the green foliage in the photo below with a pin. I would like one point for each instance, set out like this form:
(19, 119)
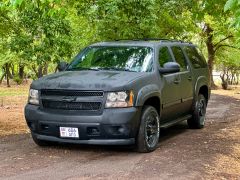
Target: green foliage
(230, 4)
(116, 19)
(43, 35)
(234, 7)
(36, 34)
(228, 58)
(39, 33)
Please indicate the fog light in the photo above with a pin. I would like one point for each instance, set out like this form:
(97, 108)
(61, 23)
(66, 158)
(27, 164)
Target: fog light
(93, 131)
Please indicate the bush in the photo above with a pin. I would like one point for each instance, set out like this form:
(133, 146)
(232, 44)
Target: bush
(18, 80)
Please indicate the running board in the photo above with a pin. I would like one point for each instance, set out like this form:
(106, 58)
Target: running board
(168, 124)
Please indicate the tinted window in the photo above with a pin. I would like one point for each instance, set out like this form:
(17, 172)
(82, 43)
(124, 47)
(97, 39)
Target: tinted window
(179, 57)
(164, 56)
(194, 56)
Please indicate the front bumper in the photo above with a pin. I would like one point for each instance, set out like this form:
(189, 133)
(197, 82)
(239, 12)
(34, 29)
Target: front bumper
(90, 141)
(116, 126)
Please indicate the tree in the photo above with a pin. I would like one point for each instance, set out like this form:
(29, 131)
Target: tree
(44, 24)
(6, 28)
(228, 63)
(115, 19)
(41, 32)
(215, 28)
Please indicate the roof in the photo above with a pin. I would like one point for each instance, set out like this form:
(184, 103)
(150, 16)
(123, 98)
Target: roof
(141, 42)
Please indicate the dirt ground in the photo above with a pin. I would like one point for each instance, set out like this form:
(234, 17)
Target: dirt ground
(12, 102)
(209, 153)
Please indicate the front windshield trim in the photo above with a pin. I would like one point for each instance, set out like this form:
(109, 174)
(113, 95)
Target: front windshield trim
(149, 53)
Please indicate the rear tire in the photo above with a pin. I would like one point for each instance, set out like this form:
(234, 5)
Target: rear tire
(198, 116)
(148, 135)
(42, 142)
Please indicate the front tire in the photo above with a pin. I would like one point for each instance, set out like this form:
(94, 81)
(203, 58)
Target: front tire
(148, 135)
(198, 116)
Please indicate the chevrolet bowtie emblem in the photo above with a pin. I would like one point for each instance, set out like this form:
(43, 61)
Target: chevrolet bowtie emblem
(69, 99)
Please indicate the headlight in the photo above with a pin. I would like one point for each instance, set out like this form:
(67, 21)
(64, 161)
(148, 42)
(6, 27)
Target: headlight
(119, 99)
(33, 97)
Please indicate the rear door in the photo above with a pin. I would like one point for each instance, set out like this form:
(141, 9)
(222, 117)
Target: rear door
(185, 87)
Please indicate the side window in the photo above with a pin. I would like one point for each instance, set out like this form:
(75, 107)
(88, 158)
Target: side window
(195, 57)
(179, 57)
(164, 56)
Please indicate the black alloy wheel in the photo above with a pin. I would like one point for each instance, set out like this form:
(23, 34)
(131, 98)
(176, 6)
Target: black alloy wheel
(199, 113)
(149, 130)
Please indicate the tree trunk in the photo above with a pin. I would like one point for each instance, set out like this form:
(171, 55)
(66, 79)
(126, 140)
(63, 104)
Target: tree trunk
(45, 69)
(224, 79)
(210, 65)
(8, 74)
(35, 70)
(40, 71)
(211, 52)
(21, 71)
(12, 69)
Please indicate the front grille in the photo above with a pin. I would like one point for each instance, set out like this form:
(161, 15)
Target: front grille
(48, 92)
(90, 106)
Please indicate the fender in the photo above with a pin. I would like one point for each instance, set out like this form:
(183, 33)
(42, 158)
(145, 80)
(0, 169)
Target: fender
(201, 81)
(146, 92)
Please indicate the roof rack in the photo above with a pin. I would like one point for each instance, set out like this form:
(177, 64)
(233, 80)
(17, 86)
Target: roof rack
(153, 39)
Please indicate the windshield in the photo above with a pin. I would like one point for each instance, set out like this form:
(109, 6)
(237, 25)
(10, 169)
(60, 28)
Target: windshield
(136, 59)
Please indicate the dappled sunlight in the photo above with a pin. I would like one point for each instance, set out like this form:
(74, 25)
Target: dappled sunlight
(233, 91)
(14, 90)
(225, 137)
(226, 163)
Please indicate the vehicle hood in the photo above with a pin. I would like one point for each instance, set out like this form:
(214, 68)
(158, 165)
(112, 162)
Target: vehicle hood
(87, 80)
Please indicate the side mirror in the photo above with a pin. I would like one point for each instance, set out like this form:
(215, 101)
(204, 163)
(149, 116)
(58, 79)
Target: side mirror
(62, 66)
(170, 67)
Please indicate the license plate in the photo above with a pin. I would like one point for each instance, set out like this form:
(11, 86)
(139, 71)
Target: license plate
(69, 132)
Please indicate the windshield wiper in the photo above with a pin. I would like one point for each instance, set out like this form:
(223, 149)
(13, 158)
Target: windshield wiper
(82, 69)
(116, 69)
(99, 68)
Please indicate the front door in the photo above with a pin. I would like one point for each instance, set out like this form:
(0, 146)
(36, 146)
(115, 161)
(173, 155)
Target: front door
(171, 97)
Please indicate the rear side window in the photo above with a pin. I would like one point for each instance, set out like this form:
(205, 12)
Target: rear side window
(164, 56)
(179, 57)
(195, 57)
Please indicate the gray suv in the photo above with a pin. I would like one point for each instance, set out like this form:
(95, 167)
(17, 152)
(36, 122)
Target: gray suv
(120, 93)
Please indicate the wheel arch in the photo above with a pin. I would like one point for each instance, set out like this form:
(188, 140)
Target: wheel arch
(153, 101)
(149, 95)
(204, 91)
(202, 87)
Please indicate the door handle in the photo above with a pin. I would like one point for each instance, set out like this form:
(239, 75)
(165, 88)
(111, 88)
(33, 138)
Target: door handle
(189, 78)
(176, 81)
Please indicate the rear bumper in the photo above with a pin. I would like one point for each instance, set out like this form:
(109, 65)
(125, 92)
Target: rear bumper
(117, 126)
